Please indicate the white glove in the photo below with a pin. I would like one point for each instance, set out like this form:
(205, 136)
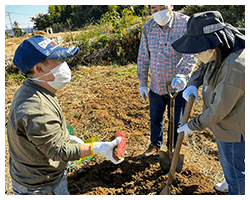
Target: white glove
(106, 149)
(74, 139)
(179, 82)
(186, 130)
(190, 90)
(144, 92)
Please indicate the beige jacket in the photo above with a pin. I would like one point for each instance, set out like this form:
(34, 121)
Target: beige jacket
(39, 141)
(223, 99)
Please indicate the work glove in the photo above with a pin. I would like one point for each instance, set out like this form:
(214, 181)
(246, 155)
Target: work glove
(106, 149)
(186, 130)
(190, 90)
(74, 139)
(144, 92)
(179, 82)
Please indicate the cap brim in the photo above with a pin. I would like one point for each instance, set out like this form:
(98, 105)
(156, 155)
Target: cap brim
(195, 44)
(64, 52)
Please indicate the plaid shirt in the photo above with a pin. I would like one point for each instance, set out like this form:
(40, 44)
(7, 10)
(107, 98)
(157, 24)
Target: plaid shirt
(157, 53)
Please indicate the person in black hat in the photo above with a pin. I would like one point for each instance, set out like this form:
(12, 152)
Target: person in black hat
(220, 47)
(39, 143)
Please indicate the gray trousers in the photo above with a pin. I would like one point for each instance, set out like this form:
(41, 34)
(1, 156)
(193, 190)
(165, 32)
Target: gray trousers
(61, 189)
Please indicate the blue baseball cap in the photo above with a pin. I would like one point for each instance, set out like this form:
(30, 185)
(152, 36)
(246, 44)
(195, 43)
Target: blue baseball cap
(37, 48)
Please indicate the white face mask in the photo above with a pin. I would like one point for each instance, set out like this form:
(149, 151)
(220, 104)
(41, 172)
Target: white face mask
(162, 17)
(62, 76)
(205, 56)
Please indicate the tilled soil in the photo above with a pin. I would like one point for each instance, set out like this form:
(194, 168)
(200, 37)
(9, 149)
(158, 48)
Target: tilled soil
(99, 101)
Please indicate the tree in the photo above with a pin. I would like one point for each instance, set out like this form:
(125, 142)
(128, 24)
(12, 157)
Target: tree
(232, 14)
(17, 31)
(42, 21)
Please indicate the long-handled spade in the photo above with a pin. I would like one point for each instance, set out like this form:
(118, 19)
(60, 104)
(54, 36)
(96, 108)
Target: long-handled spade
(167, 189)
(165, 157)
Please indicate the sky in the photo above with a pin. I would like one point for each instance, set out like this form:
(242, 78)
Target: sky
(22, 14)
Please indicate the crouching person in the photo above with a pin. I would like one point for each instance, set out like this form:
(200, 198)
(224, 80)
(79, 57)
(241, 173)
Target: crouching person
(39, 142)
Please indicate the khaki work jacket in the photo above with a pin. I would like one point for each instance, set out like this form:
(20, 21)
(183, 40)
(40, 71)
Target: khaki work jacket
(39, 142)
(223, 98)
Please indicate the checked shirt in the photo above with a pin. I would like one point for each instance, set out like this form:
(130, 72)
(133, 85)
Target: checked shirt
(156, 53)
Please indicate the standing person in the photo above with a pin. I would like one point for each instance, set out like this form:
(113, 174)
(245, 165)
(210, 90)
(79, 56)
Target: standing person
(39, 143)
(221, 49)
(165, 65)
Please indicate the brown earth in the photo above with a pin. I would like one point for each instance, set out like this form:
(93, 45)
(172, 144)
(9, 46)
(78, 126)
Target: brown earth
(101, 100)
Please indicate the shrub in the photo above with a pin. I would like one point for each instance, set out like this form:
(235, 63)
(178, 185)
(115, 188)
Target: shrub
(232, 14)
(115, 40)
(119, 43)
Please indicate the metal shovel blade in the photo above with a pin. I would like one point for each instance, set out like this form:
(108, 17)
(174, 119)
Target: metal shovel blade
(180, 163)
(165, 161)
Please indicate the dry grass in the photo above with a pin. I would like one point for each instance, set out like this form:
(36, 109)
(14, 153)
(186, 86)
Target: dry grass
(104, 99)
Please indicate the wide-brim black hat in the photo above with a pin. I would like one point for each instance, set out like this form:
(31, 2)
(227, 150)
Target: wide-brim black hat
(204, 31)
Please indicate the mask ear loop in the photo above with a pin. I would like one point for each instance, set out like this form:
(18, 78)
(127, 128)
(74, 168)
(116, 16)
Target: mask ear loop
(38, 78)
(51, 72)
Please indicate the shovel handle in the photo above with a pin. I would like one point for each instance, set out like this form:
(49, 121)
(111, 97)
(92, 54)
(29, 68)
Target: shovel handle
(172, 113)
(168, 83)
(188, 108)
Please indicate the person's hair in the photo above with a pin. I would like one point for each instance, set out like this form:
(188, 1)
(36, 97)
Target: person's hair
(232, 40)
(45, 62)
(222, 53)
(30, 73)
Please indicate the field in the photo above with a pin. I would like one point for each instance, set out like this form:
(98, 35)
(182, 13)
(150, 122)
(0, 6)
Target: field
(101, 100)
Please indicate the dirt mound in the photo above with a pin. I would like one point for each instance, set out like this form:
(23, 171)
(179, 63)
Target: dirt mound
(136, 175)
(100, 101)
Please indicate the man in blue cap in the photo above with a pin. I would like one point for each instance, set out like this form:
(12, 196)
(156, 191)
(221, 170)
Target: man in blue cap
(39, 143)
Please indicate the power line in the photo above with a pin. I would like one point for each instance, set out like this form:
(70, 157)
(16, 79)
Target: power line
(14, 13)
(9, 19)
(20, 23)
(8, 14)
